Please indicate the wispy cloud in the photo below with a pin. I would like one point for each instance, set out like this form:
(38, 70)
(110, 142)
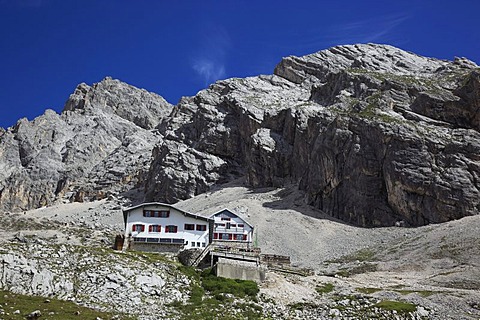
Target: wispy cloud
(209, 70)
(370, 30)
(381, 29)
(209, 58)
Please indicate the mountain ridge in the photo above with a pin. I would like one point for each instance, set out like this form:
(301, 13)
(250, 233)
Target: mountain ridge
(372, 135)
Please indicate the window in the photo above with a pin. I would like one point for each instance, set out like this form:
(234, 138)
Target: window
(138, 227)
(233, 225)
(225, 219)
(225, 236)
(155, 228)
(147, 213)
(171, 229)
(156, 213)
(219, 224)
(241, 237)
(193, 244)
(198, 244)
(240, 225)
(201, 227)
(161, 214)
(203, 244)
(228, 225)
(189, 226)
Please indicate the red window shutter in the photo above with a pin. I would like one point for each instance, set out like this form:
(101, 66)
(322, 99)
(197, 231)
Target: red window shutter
(215, 235)
(150, 228)
(143, 227)
(133, 227)
(229, 237)
(245, 237)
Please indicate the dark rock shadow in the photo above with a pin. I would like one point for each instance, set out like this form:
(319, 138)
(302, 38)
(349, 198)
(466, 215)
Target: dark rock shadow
(291, 198)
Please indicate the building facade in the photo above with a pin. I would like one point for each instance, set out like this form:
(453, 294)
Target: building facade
(161, 227)
(231, 230)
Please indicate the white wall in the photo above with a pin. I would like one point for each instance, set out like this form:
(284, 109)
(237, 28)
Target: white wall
(245, 230)
(176, 218)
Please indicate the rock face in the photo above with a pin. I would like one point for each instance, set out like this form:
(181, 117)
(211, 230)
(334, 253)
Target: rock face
(371, 133)
(100, 144)
(95, 278)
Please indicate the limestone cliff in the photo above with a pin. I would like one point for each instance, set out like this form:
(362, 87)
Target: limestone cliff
(99, 145)
(372, 135)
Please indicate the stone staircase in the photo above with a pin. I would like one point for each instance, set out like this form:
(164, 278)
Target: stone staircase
(202, 256)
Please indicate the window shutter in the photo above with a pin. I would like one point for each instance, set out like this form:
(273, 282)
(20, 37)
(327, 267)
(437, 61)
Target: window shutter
(133, 227)
(229, 237)
(143, 227)
(150, 228)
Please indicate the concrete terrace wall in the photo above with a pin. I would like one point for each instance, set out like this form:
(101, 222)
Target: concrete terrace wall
(243, 270)
(153, 247)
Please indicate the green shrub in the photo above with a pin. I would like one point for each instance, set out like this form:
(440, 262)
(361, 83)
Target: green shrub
(189, 272)
(325, 288)
(399, 306)
(196, 295)
(218, 285)
(368, 290)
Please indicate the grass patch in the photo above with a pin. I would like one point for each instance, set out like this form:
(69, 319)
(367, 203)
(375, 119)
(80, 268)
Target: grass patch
(189, 272)
(359, 269)
(196, 295)
(324, 288)
(209, 297)
(423, 293)
(398, 289)
(368, 290)
(217, 285)
(302, 305)
(53, 310)
(399, 306)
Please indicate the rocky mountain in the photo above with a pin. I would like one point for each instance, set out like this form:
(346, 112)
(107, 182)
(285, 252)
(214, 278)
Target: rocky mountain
(372, 134)
(100, 144)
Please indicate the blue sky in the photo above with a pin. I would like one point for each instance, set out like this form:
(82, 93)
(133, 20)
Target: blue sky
(176, 48)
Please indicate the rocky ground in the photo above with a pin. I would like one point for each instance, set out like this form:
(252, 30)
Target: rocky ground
(430, 272)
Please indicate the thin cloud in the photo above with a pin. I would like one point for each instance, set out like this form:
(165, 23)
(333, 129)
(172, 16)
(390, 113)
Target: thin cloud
(209, 59)
(380, 29)
(209, 70)
(372, 30)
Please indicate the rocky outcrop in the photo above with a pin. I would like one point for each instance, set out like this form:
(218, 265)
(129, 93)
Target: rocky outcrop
(94, 277)
(100, 144)
(372, 134)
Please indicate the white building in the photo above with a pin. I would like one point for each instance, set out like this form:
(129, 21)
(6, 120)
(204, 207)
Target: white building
(230, 229)
(161, 227)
